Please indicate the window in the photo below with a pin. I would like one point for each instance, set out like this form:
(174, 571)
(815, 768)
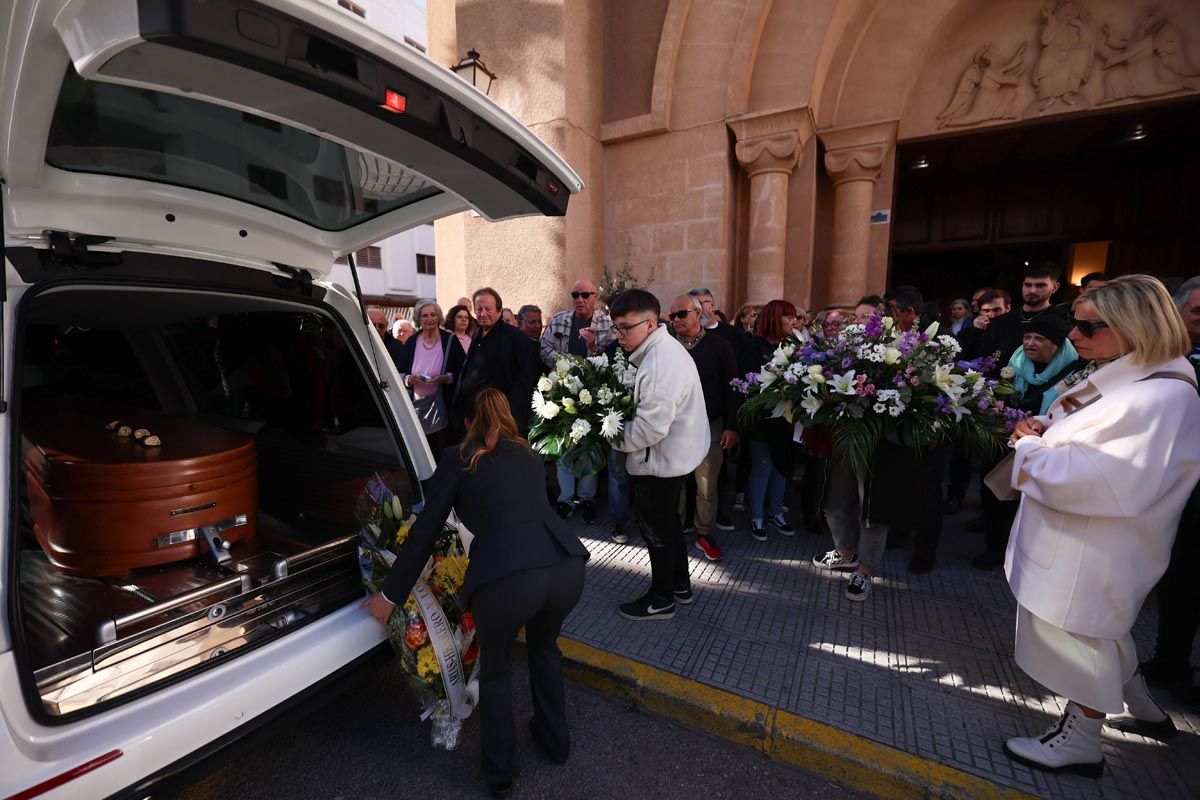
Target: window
(353, 7)
(371, 256)
(426, 265)
(108, 129)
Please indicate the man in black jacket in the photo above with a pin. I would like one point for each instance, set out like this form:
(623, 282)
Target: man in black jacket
(717, 366)
(712, 324)
(500, 356)
(1006, 333)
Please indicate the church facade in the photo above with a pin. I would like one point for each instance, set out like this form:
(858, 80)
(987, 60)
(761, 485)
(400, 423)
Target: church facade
(818, 150)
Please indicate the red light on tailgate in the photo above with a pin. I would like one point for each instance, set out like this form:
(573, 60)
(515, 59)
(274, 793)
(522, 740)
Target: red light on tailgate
(394, 101)
(68, 776)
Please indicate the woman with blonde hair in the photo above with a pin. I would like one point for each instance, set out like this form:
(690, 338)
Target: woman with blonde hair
(525, 571)
(1103, 476)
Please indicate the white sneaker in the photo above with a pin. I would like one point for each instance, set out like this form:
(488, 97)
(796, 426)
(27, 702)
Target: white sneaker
(1143, 715)
(1072, 744)
(833, 560)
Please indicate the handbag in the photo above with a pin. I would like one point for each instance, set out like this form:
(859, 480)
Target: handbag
(999, 480)
(431, 411)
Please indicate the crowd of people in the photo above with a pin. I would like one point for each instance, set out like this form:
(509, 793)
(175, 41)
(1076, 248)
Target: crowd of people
(1102, 473)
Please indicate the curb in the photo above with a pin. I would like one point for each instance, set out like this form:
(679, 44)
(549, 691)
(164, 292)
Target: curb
(846, 758)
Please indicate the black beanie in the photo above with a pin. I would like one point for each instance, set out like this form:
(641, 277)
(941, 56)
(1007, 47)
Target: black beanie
(1053, 326)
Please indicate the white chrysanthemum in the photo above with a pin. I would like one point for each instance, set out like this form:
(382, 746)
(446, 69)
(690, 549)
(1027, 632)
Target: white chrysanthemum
(579, 429)
(549, 410)
(879, 408)
(950, 343)
(896, 410)
(611, 425)
(585, 397)
(537, 403)
(887, 394)
(544, 384)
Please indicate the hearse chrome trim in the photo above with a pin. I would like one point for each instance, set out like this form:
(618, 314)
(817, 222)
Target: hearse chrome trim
(179, 537)
(281, 567)
(235, 613)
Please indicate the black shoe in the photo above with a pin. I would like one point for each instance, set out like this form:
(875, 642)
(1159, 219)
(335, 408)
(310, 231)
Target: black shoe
(587, 510)
(1161, 730)
(779, 523)
(987, 561)
(952, 506)
(500, 789)
(554, 756)
(976, 525)
(758, 531)
(565, 510)
(920, 564)
(724, 523)
(683, 596)
(617, 534)
(647, 608)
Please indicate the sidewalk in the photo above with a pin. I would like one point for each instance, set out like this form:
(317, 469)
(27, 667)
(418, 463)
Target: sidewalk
(917, 686)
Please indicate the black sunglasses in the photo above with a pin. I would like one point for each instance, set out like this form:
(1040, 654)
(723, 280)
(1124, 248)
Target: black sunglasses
(581, 295)
(1088, 327)
(680, 314)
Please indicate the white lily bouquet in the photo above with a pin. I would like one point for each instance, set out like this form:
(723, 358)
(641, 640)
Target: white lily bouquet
(581, 407)
(873, 382)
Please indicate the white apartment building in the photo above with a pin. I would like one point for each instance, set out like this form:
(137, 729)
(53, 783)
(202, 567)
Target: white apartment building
(397, 271)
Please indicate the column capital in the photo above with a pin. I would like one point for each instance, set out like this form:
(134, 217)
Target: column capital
(857, 154)
(772, 141)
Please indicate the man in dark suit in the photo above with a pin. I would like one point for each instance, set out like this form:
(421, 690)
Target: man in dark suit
(379, 321)
(501, 357)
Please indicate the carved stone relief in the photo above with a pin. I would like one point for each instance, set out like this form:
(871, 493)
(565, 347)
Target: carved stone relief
(1149, 59)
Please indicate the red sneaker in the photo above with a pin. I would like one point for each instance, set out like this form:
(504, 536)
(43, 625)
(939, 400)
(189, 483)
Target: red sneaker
(708, 545)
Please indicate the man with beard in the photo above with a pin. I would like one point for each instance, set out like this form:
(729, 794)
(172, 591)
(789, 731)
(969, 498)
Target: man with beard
(1007, 332)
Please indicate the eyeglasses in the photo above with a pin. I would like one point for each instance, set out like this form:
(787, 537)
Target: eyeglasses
(680, 314)
(1088, 327)
(581, 295)
(622, 329)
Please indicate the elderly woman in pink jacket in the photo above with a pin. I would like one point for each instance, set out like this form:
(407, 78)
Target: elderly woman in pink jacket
(1103, 477)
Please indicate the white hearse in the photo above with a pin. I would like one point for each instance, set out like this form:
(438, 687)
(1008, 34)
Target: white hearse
(189, 410)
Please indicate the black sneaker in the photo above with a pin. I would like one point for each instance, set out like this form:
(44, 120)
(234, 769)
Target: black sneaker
(683, 596)
(618, 534)
(587, 510)
(724, 523)
(758, 531)
(780, 524)
(859, 587)
(565, 510)
(647, 608)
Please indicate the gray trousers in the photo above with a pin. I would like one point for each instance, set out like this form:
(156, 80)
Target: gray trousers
(843, 512)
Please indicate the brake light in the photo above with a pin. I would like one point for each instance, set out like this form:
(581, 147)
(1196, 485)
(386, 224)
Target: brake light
(394, 101)
(68, 776)
(552, 186)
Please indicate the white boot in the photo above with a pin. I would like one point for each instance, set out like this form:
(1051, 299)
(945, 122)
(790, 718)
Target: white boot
(1072, 744)
(1143, 715)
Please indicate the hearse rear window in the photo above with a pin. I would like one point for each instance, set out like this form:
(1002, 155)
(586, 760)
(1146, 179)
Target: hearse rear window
(137, 133)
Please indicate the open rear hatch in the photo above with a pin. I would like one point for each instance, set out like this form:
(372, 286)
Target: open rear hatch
(282, 131)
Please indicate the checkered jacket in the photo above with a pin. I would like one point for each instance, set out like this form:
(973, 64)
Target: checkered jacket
(556, 339)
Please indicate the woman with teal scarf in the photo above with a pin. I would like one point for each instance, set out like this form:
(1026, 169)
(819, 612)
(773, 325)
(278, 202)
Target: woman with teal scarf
(1044, 358)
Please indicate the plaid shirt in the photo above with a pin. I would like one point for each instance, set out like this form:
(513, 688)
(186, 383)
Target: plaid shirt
(556, 339)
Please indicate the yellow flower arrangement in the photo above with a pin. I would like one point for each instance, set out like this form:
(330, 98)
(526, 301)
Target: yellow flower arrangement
(427, 663)
(410, 606)
(449, 573)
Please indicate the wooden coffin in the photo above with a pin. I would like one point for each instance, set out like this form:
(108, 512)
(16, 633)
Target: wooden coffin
(104, 504)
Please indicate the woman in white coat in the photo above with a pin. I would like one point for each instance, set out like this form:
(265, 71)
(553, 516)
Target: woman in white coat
(1103, 477)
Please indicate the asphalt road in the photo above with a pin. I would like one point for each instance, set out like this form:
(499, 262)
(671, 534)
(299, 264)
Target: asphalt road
(368, 744)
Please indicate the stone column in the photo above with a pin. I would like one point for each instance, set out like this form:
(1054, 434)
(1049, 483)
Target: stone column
(854, 159)
(768, 147)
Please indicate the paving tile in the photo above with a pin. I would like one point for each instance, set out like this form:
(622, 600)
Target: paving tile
(925, 665)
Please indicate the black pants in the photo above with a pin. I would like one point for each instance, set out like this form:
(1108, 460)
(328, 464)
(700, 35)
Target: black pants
(998, 515)
(960, 472)
(656, 503)
(538, 600)
(1179, 597)
(926, 508)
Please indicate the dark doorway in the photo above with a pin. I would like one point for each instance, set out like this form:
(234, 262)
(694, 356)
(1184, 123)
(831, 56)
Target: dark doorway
(1118, 193)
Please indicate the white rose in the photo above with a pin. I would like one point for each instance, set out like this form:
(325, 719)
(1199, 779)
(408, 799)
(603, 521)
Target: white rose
(891, 355)
(549, 410)
(816, 371)
(585, 397)
(1008, 373)
(544, 384)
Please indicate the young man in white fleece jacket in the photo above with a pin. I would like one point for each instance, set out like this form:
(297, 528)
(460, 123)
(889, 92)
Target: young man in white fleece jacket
(665, 441)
